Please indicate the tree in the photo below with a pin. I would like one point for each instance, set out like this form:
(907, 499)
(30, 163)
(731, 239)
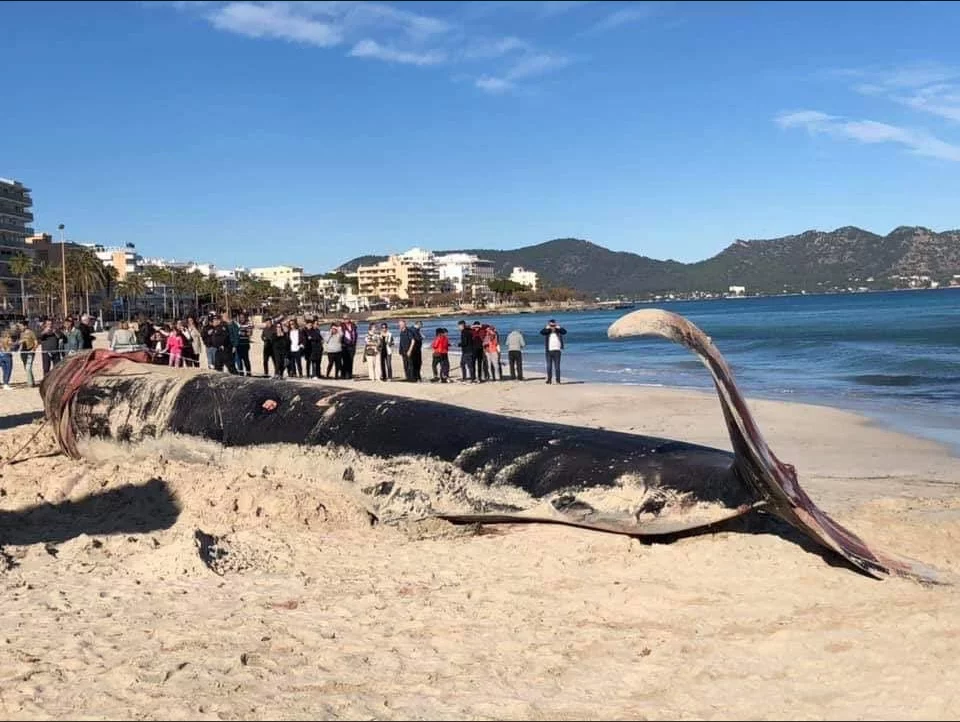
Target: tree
(47, 282)
(85, 272)
(505, 287)
(158, 277)
(130, 289)
(20, 265)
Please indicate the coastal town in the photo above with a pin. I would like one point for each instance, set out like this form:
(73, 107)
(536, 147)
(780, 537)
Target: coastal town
(43, 272)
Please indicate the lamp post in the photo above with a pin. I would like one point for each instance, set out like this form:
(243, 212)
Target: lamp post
(63, 268)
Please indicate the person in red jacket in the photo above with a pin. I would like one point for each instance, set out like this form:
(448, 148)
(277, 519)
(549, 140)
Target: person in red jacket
(441, 359)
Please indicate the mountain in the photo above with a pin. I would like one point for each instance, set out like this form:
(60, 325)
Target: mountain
(812, 260)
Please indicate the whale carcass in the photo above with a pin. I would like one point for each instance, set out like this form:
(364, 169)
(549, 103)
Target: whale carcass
(617, 482)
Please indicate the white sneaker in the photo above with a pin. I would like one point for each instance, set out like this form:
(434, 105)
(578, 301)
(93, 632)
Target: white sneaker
(7, 387)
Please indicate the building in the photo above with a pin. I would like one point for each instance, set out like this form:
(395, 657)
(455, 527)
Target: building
(460, 272)
(281, 277)
(524, 277)
(409, 274)
(736, 290)
(123, 258)
(15, 204)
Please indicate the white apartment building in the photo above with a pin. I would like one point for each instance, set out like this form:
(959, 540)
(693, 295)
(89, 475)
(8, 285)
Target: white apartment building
(458, 272)
(524, 277)
(281, 276)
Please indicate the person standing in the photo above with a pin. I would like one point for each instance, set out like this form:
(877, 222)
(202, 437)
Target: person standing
(280, 344)
(49, 346)
(27, 345)
(86, 331)
(371, 351)
(476, 351)
(553, 345)
(72, 338)
(241, 356)
(295, 353)
(515, 345)
(416, 351)
(6, 358)
(441, 356)
(314, 348)
(175, 343)
(266, 335)
(348, 330)
(491, 350)
(194, 346)
(334, 348)
(466, 352)
(386, 353)
(406, 343)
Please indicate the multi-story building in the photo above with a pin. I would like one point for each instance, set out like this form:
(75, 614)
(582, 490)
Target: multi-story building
(414, 273)
(281, 276)
(123, 258)
(524, 277)
(459, 272)
(15, 215)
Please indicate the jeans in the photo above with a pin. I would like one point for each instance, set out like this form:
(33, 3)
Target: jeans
(493, 362)
(241, 358)
(6, 364)
(334, 363)
(27, 358)
(516, 365)
(553, 362)
(466, 364)
(212, 358)
(295, 363)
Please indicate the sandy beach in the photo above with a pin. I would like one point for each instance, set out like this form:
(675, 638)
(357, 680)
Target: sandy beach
(318, 613)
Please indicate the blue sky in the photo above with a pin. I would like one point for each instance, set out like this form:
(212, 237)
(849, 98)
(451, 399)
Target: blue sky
(307, 133)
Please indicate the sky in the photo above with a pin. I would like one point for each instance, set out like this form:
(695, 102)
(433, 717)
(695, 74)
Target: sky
(307, 133)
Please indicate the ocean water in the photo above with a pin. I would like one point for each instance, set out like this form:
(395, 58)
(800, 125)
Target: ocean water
(894, 357)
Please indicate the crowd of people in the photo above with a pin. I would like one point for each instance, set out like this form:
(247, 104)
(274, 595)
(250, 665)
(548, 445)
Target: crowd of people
(292, 348)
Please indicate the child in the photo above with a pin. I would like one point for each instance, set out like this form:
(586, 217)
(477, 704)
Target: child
(175, 348)
(441, 349)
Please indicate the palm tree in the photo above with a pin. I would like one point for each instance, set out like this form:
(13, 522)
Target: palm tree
(157, 277)
(47, 282)
(86, 272)
(196, 284)
(20, 265)
(130, 289)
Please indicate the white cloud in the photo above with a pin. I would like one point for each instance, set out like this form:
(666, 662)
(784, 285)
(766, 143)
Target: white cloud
(930, 88)
(633, 13)
(493, 85)
(871, 132)
(389, 33)
(274, 21)
(372, 49)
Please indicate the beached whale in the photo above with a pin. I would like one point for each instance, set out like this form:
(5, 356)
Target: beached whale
(519, 470)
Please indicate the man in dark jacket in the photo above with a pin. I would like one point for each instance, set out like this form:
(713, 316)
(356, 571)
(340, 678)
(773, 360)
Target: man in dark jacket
(217, 337)
(405, 346)
(476, 352)
(86, 331)
(313, 348)
(466, 352)
(553, 346)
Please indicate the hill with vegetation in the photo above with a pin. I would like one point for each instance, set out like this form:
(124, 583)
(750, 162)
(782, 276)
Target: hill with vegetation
(811, 261)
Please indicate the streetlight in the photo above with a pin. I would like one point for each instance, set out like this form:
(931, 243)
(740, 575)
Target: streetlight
(63, 268)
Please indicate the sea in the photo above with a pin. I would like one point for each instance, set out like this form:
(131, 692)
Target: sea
(891, 356)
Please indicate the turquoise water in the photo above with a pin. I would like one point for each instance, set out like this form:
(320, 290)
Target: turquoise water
(892, 356)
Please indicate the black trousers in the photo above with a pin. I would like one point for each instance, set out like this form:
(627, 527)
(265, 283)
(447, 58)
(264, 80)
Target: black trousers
(224, 359)
(315, 370)
(480, 365)
(346, 360)
(295, 363)
(416, 360)
(441, 362)
(267, 356)
(407, 366)
(516, 365)
(279, 362)
(553, 362)
(334, 362)
(386, 365)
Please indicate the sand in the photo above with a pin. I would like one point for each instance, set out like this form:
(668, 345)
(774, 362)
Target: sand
(315, 612)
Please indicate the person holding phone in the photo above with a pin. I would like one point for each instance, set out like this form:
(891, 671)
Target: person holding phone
(553, 345)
